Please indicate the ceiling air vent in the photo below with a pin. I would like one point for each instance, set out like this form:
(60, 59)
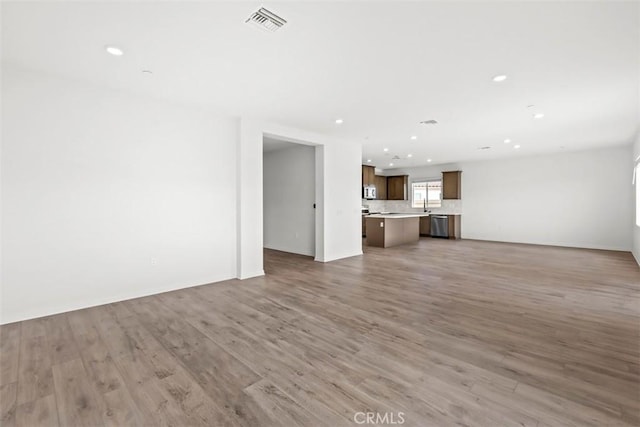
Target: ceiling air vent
(265, 20)
(429, 122)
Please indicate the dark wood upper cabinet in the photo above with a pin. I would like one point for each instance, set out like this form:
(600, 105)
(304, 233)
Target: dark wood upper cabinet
(381, 187)
(371, 172)
(368, 175)
(451, 185)
(397, 187)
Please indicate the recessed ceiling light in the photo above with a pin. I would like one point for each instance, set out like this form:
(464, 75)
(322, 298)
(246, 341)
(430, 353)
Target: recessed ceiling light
(499, 78)
(507, 141)
(428, 160)
(409, 155)
(339, 121)
(516, 146)
(115, 51)
(368, 160)
(538, 116)
(390, 164)
(385, 150)
(414, 137)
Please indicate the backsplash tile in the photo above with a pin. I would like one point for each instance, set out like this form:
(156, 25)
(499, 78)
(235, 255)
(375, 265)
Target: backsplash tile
(404, 206)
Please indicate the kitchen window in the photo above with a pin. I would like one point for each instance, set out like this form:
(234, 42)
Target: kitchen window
(426, 193)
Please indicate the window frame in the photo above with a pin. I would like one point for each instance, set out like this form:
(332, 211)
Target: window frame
(426, 181)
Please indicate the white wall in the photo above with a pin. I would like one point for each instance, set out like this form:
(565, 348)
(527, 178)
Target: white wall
(636, 202)
(107, 196)
(249, 201)
(289, 195)
(576, 199)
(579, 199)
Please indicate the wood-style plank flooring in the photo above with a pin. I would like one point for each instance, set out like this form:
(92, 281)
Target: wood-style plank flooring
(445, 332)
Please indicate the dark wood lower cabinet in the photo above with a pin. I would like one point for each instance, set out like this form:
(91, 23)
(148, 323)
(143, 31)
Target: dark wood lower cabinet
(425, 225)
(364, 226)
(454, 230)
(387, 232)
(454, 226)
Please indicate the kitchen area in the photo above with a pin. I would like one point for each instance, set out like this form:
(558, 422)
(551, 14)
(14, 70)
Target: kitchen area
(399, 209)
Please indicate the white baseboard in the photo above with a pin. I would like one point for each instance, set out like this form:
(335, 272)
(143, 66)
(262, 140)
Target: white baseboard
(335, 258)
(250, 275)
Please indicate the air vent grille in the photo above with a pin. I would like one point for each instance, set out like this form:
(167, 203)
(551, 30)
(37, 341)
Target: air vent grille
(429, 122)
(266, 20)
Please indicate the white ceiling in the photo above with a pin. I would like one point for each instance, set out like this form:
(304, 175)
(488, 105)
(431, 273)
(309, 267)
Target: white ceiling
(382, 67)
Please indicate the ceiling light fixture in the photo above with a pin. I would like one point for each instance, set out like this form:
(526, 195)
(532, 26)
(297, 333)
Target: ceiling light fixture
(538, 116)
(428, 160)
(507, 141)
(390, 164)
(409, 155)
(339, 121)
(516, 147)
(414, 137)
(499, 78)
(115, 51)
(368, 160)
(385, 149)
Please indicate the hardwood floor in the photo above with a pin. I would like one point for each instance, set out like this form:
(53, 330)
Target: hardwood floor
(436, 333)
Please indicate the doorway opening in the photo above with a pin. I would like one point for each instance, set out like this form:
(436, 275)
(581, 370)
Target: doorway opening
(289, 196)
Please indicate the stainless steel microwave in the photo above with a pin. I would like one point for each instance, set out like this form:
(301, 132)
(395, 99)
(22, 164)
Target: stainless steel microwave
(369, 192)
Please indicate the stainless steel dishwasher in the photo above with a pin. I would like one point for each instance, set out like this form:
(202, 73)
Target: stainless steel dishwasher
(440, 226)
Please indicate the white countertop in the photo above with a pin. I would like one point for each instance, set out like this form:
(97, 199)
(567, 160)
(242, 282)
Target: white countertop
(391, 216)
(407, 215)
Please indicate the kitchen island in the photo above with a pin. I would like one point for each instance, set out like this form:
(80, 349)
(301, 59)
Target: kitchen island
(386, 230)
